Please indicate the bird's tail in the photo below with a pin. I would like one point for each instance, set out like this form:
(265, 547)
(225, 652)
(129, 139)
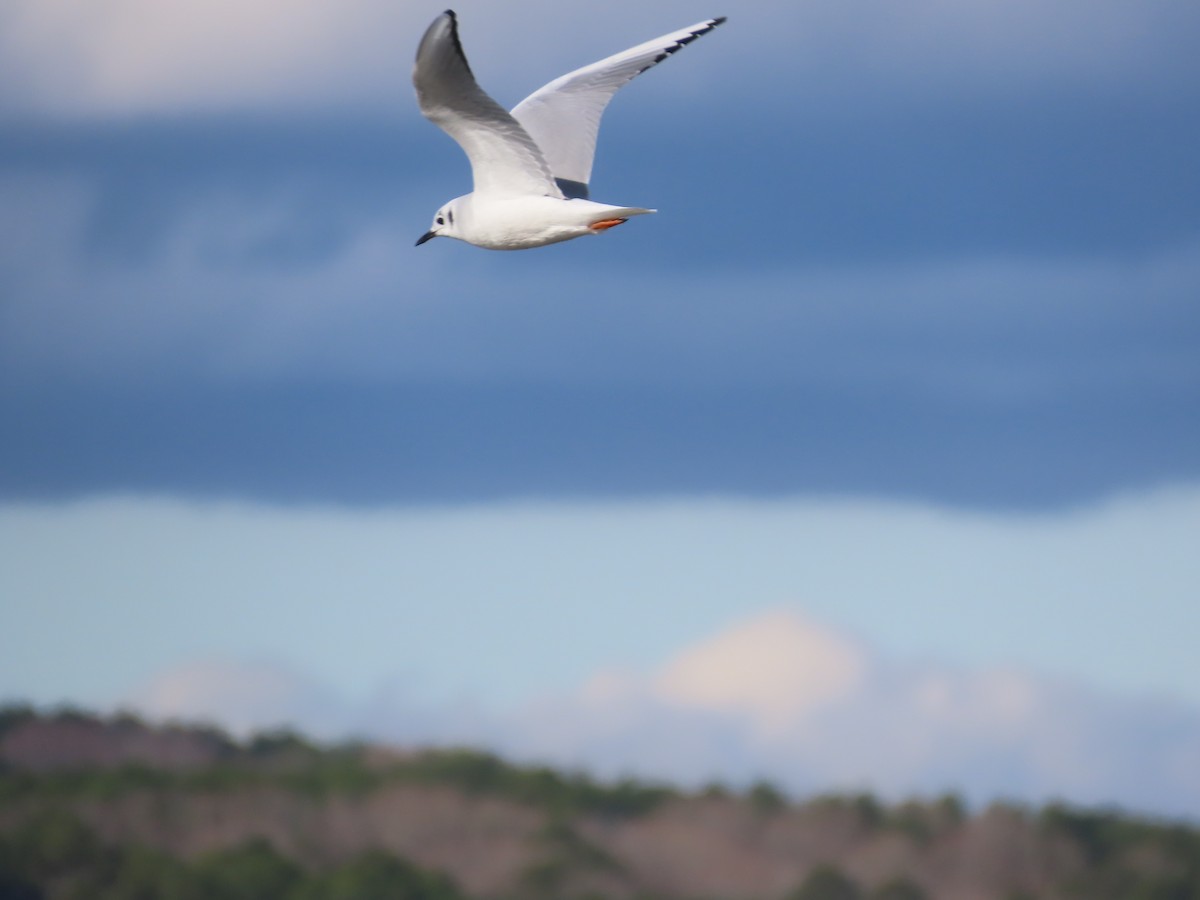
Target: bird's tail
(623, 212)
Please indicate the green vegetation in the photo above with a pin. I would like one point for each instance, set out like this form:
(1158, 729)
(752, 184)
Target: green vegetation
(562, 854)
(65, 832)
(15, 714)
(864, 808)
(285, 760)
(921, 822)
(898, 889)
(766, 799)
(469, 771)
(1128, 858)
(483, 773)
(376, 875)
(57, 856)
(826, 882)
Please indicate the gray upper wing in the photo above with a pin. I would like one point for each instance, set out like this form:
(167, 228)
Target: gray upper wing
(563, 117)
(504, 158)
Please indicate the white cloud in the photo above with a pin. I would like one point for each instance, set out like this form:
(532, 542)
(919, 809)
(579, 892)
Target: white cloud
(818, 711)
(123, 57)
(133, 56)
(897, 729)
(136, 56)
(501, 601)
(999, 654)
(369, 309)
(243, 697)
(775, 670)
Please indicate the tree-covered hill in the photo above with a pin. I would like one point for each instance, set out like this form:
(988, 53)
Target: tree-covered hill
(115, 809)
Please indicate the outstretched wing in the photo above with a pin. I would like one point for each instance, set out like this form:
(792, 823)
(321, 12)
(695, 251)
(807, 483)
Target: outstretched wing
(504, 158)
(564, 116)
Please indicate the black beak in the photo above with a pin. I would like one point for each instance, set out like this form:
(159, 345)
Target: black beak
(423, 238)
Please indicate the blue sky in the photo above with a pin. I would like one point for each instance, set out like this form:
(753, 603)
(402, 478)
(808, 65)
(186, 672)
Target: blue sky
(908, 364)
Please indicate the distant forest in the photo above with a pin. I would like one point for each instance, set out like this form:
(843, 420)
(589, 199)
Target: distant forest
(112, 808)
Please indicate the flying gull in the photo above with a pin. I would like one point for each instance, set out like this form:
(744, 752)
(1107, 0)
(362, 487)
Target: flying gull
(532, 166)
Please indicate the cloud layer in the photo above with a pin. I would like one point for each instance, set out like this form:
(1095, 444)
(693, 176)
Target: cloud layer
(256, 324)
(73, 57)
(884, 724)
(1104, 593)
(950, 253)
(782, 697)
(262, 287)
(1026, 656)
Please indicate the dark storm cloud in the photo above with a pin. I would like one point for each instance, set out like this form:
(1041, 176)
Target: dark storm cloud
(1080, 176)
(146, 175)
(978, 290)
(992, 386)
(432, 443)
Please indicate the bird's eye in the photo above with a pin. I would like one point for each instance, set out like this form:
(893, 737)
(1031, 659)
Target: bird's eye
(440, 220)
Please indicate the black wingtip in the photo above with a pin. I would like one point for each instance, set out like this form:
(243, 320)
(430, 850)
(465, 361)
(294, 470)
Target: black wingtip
(457, 43)
(683, 42)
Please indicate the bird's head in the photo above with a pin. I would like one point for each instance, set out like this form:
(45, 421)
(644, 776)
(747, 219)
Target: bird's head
(443, 222)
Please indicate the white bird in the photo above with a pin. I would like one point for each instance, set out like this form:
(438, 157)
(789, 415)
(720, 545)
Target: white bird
(531, 167)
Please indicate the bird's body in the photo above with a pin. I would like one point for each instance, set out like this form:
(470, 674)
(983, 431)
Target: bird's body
(520, 221)
(532, 166)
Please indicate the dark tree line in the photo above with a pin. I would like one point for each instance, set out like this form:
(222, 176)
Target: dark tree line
(48, 852)
(56, 856)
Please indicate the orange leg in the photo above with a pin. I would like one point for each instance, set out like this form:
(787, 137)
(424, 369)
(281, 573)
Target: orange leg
(605, 224)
